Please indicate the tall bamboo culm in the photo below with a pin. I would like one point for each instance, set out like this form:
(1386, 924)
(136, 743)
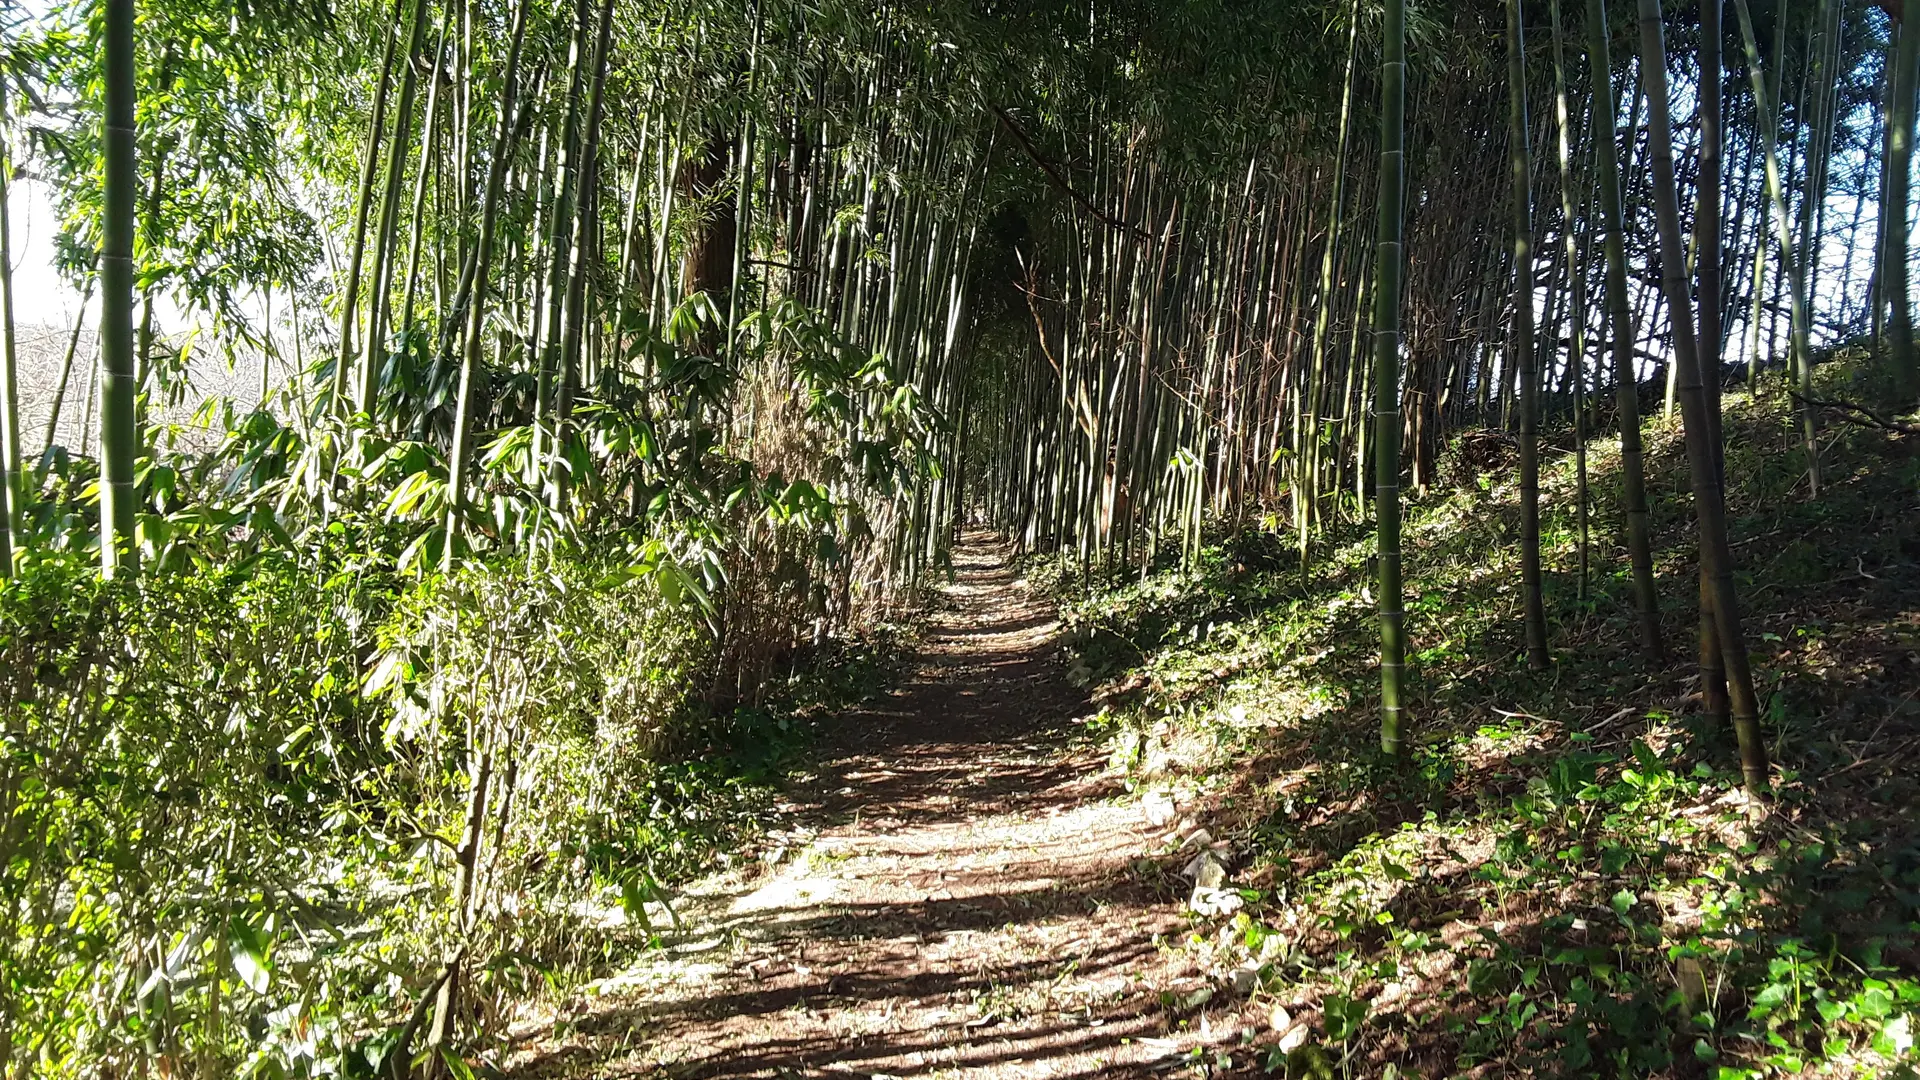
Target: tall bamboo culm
(1524, 356)
(13, 489)
(1709, 505)
(1706, 242)
(1893, 251)
(1386, 357)
(1791, 263)
(117, 552)
(1620, 329)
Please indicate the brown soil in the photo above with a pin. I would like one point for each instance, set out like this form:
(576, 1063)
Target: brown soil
(965, 896)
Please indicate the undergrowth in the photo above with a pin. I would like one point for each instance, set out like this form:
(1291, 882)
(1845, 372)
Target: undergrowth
(1564, 877)
(248, 815)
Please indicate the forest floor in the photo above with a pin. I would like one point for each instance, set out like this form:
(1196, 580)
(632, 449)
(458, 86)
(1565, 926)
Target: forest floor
(985, 875)
(962, 892)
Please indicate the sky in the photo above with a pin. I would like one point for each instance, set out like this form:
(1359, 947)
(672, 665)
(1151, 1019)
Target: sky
(39, 297)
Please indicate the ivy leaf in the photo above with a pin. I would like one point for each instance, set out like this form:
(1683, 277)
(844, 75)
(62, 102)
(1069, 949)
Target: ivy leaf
(1896, 1036)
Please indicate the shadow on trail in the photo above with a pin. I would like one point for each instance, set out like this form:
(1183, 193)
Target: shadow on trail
(966, 899)
(980, 727)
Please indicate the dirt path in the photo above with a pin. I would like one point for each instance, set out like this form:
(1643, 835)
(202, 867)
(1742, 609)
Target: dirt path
(964, 897)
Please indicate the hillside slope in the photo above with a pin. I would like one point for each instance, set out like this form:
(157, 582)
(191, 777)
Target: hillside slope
(1564, 877)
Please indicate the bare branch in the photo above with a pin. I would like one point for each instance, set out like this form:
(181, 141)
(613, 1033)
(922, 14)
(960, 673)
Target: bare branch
(1857, 414)
(1060, 181)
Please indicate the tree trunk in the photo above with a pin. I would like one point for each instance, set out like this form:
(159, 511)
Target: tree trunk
(117, 435)
(1525, 360)
(1709, 506)
(1621, 328)
(1892, 271)
(1386, 357)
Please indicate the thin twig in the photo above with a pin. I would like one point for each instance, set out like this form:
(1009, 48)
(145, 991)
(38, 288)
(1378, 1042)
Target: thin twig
(399, 1056)
(780, 265)
(1060, 181)
(1857, 414)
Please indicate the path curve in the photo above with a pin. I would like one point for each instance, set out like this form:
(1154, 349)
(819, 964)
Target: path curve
(965, 896)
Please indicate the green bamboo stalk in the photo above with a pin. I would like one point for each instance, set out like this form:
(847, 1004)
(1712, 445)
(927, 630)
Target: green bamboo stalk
(386, 239)
(1709, 502)
(1576, 285)
(560, 233)
(13, 488)
(1706, 241)
(117, 436)
(1386, 356)
(363, 202)
(1520, 155)
(148, 243)
(1823, 71)
(429, 141)
(582, 249)
(1621, 328)
(743, 168)
(66, 365)
(476, 305)
(1794, 266)
(1876, 285)
(1770, 110)
(1893, 253)
(1307, 501)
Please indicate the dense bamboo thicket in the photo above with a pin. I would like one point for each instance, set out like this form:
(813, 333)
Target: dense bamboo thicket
(644, 352)
(1258, 356)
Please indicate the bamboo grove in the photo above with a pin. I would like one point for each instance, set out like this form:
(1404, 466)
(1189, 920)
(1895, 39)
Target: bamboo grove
(1125, 309)
(757, 303)
(1230, 378)
(1233, 354)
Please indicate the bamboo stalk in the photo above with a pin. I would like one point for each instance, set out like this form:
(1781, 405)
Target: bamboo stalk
(1706, 239)
(1793, 265)
(1893, 254)
(475, 314)
(13, 488)
(363, 202)
(1525, 359)
(1386, 345)
(117, 437)
(1709, 505)
(66, 366)
(1621, 328)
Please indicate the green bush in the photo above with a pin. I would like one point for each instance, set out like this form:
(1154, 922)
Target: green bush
(240, 806)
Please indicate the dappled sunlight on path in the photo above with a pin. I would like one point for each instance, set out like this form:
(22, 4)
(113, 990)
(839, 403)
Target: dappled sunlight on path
(964, 896)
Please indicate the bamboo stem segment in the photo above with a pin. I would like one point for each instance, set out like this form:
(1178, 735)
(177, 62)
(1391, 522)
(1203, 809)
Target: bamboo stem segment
(1386, 357)
(117, 437)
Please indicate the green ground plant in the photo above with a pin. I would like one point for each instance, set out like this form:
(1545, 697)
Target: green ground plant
(248, 809)
(1564, 877)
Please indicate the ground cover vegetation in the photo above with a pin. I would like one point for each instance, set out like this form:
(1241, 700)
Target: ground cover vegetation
(1565, 875)
(626, 367)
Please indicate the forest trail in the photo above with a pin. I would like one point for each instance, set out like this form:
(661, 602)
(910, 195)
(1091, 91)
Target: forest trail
(964, 896)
